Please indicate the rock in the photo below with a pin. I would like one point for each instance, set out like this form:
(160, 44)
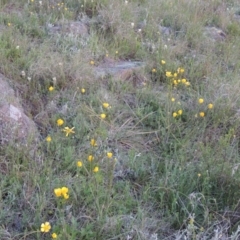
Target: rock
(15, 125)
(71, 28)
(124, 70)
(214, 33)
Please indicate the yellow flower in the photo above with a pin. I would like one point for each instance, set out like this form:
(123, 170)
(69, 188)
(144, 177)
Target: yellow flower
(79, 164)
(210, 106)
(68, 130)
(54, 235)
(168, 74)
(179, 112)
(184, 80)
(60, 122)
(45, 227)
(48, 139)
(173, 99)
(106, 105)
(9, 24)
(179, 80)
(83, 90)
(175, 74)
(154, 70)
(92, 62)
(163, 62)
(51, 89)
(180, 70)
(58, 192)
(174, 114)
(64, 190)
(93, 143)
(199, 174)
(90, 158)
(96, 169)
(187, 83)
(201, 114)
(200, 100)
(116, 52)
(103, 116)
(65, 196)
(175, 82)
(109, 154)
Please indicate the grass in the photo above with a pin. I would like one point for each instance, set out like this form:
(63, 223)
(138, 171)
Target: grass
(174, 168)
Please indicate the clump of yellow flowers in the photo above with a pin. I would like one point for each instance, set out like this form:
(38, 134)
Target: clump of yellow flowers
(61, 192)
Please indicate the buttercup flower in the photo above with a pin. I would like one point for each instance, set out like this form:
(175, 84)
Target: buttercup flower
(109, 154)
(200, 100)
(96, 169)
(210, 106)
(168, 74)
(48, 139)
(54, 235)
(93, 143)
(90, 158)
(79, 164)
(64, 190)
(179, 112)
(83, 90)
(58, 192)
(201, 114)
(65, 196)
(106, 105)
(103, 116)
(45, 227)
(174, 114)
(51, 89)
(60, 122)
(68, 130)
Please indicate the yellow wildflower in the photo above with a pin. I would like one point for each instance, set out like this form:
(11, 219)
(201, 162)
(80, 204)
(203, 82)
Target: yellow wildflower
(210, 106)
(174, 114)
(199, 174)
(83, 90)
(201, 114)
(92, 62)
(58, 192)
(79, 164)
(96, 169)
(64, 190)
(65, 196)
(154, 70)
(93, 143)
(9, 24)
(187, 83)
(180, 112)
(54, 235)
(45, 227)
(168, 74)
(90, 158)
(48, 139)
(175, 74)
(163, 62)
(60, 122)
(180, 70)
(200, 100)
(184, 80)
(51, 89)
(103, 116)
(109, 154)
(68, 130)
(173, 99)
(175, 82)
(106, 105)
(116, 52)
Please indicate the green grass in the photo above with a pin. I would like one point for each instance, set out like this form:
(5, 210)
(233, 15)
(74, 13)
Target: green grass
(168, 176)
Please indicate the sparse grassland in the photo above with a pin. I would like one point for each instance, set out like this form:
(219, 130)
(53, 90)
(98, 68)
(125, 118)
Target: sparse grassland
(151, 157)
